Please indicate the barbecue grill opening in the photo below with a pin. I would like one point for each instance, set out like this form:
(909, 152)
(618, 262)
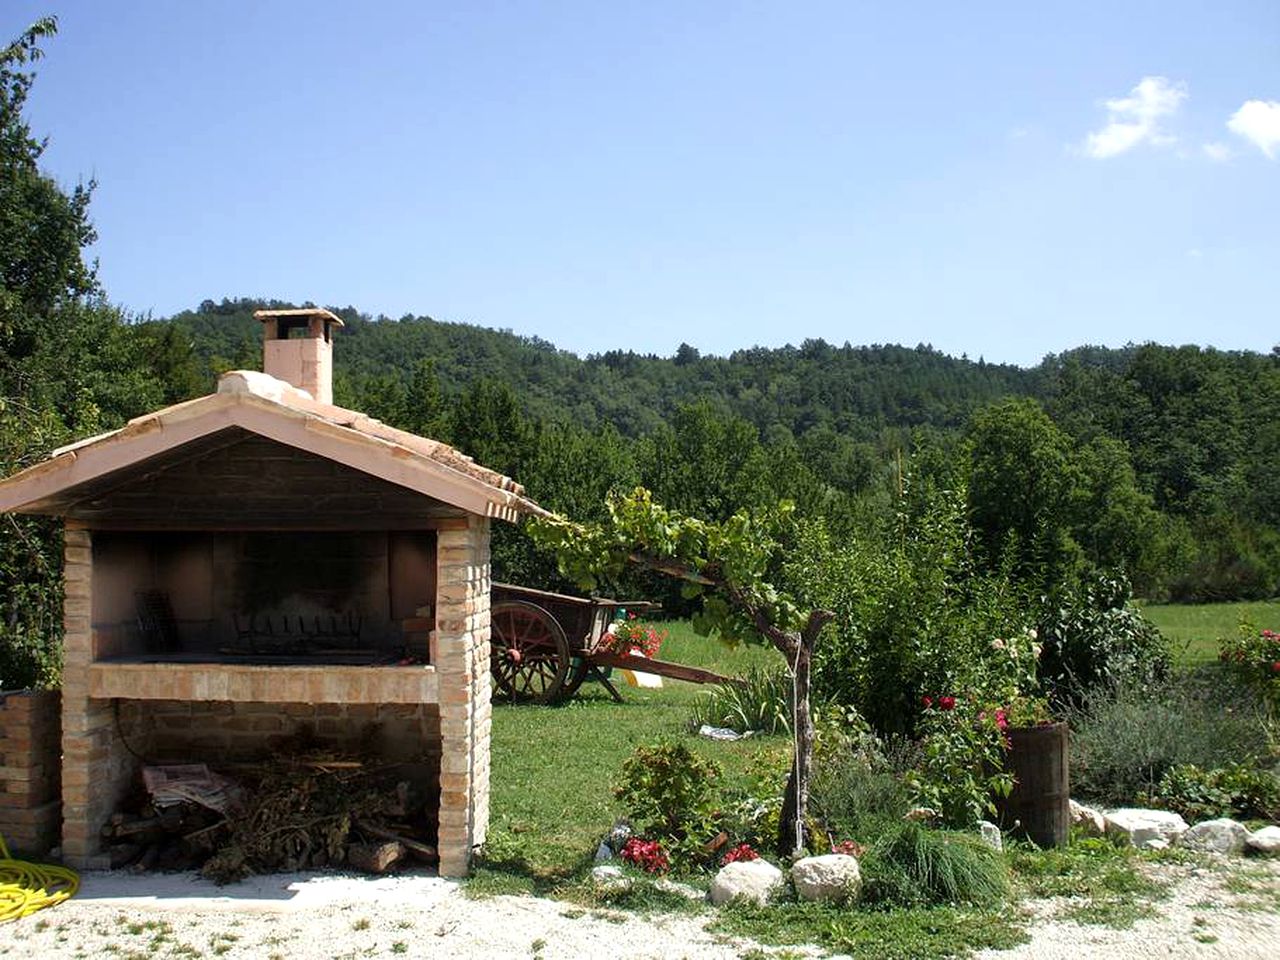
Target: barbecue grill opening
(265, 597)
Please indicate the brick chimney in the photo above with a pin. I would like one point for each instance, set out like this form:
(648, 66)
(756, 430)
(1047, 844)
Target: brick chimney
(297, 347)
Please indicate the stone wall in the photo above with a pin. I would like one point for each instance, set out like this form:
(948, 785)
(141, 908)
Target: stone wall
(462, 641)
(30, 771)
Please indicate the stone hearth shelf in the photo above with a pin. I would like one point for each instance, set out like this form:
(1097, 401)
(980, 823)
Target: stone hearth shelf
(321, 683)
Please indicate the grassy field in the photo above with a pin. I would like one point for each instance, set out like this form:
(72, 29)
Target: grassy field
(1195, 629)
(554, 767)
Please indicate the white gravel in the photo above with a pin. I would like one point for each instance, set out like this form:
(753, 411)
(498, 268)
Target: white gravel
(332, 916)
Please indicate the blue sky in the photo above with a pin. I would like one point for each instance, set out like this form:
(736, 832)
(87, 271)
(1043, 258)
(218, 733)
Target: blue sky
(997, 179)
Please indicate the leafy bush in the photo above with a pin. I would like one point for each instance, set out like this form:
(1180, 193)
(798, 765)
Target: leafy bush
(672, 794)
(961, 767)
(911, 865)
(915, 614)
(858, 789)
(1253, 655)
(1238, 790)
(1125, 737)
(1093, 637)
(761, 702)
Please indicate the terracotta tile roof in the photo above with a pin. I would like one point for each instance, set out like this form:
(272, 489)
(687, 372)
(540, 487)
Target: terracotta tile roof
(262, 404)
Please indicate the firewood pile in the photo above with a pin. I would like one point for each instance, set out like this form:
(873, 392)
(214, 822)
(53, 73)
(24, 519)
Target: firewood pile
(280, 815)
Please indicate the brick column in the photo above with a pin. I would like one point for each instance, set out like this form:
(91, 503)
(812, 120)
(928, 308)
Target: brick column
(462, 638)
(95, 765)
(30, 762)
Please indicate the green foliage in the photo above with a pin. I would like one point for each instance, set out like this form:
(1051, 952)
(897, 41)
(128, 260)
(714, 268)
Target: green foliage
(759, 700)
(859, 790)
(915, 617)
(911, 865)
(1253, 656)
(1021, 481)
(670, 792)
(907, 934)
(1126, 737)
(1106, 881)
(1237, 790)
(1092, 636)
(960, 772)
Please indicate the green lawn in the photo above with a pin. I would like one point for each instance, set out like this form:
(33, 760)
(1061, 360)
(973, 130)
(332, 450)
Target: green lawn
(553, 768)
(1195, 629)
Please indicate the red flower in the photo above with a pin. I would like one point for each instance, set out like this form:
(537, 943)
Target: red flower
(742, 851)
(1002, 719)
(928, 702)
(646, 854)
(947, 703)
(1276, 666)
(850, 848)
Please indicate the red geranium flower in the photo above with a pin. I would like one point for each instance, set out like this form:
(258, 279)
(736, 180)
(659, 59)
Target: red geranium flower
(1276, 666)
(947, 703)
(928, 702)
(742, 851)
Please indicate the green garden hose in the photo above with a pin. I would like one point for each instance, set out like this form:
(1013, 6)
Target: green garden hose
(28, 887)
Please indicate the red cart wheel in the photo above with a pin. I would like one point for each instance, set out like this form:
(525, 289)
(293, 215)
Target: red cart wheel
(529, 655)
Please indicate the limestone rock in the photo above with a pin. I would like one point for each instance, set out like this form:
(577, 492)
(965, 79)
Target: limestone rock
(1088, 820)
(756, 880)
(834, 877)
(990, 834)
(1216, 836)
(1153, 829)
(609, 877)
(1265, 840)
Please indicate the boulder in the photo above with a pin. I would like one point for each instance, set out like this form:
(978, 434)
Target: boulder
(1265, 840)
(990, 834)
(1145, 828)
(833, 877)
(1216, 836)
(1087, 820)
(755, 880)
(609, 878)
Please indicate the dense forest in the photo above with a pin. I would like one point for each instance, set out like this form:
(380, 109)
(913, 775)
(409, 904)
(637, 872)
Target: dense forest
(1151, 461)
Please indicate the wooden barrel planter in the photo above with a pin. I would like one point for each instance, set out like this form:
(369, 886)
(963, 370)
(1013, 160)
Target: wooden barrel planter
(1039, 808)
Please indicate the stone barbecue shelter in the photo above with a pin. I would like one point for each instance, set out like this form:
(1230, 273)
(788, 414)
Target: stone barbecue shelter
(259, 562)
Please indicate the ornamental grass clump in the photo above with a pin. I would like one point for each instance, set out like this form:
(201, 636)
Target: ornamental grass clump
(759, 701)
(911, 865)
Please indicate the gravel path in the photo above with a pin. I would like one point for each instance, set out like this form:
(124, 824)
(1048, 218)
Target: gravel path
(1212, 913)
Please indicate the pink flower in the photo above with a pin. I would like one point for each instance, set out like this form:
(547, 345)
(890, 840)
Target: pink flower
(1002, 719)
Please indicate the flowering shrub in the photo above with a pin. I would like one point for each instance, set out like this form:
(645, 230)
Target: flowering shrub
(960, 771)
(646, 854)
(742, 851)
(1255, 656)
(624, 636)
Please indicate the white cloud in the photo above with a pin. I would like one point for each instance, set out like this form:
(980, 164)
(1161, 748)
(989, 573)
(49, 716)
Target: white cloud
(1135, 119)
(1217, 152)
(1258, 121)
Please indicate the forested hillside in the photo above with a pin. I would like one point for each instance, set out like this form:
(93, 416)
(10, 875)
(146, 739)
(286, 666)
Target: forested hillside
(1155, 459)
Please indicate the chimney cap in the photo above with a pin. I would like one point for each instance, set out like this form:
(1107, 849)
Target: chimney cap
(268, 315)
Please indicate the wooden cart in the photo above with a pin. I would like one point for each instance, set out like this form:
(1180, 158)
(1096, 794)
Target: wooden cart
(544, 645)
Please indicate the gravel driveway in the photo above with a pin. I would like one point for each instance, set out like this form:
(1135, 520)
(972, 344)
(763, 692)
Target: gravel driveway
(1212, 913)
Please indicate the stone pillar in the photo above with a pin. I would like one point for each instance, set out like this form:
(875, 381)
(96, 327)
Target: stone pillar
(96, 766)
(30, 766)
(462, 639)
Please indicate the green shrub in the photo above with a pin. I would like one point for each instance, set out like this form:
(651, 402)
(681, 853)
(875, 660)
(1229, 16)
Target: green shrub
(911, 865)
(1238, 790)
(760, 702)
(858, 789)
(1092, 638)
(669, 791)
(1127, 736)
